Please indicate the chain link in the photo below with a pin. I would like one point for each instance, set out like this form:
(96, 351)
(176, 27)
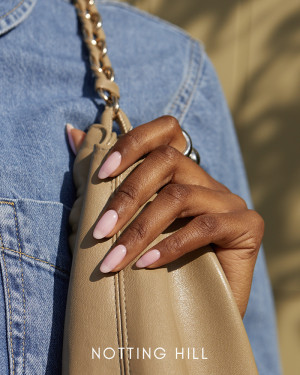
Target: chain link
(95, 40)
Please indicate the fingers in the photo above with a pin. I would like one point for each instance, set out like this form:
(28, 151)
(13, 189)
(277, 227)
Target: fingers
(236, 237)
(163, 165)
(140, 141)
(174, 201)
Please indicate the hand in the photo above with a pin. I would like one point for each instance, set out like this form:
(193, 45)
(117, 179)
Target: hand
(218, 217)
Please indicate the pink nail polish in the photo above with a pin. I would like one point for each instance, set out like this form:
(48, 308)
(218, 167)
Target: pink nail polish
(148, 258)
(113, 258)
(110, 165)
(106, 224)
(69, 127)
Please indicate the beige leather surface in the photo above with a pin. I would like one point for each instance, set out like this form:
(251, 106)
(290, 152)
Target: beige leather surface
(187, 304)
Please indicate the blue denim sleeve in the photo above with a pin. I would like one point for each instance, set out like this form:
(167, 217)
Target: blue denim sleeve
(209, 122)
(160, 70)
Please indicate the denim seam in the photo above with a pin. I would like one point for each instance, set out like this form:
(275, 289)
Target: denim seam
(149, 17)
(196, 82)
(7, 202)
(186, 81)
(11, 203)
(187, 90)
(38, 259)
(12, 10)
(9, 308)
(22, 282)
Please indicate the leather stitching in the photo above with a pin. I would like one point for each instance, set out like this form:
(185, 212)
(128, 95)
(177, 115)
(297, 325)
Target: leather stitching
(119, 336)
(125, 314)
(122, 273)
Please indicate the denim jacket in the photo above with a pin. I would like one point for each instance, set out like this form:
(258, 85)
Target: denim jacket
(45, 82)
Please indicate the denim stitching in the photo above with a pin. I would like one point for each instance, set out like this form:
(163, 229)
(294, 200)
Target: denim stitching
(2, 244)
(40, 260)
(168, 26)
(9, 307)
(40, 202)
(12, 10)
(186, 81)
(23, 291)
(6, 202)
(191, 96)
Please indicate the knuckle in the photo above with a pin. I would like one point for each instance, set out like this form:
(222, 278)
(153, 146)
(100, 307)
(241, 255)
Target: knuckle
(206, 224)
(250, 251)
(132, 139)
(171, 121)
(257, 223)
(167, 153)
(136, 231)
(176, 192)
(255, 235)
(173, 244)
(128, 193)
(240, 202)
(221, 187)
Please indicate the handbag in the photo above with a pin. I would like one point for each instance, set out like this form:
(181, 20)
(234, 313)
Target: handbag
(188, 324)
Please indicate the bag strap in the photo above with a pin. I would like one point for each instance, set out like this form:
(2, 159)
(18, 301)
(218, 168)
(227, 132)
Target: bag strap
(105, 85)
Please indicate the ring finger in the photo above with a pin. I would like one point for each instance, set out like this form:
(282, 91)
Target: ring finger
(174, 201)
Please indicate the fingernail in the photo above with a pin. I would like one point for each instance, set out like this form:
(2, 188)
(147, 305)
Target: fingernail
(148, 258)
(106, 224)
(69, 128)
(110, 165)
(113, 258)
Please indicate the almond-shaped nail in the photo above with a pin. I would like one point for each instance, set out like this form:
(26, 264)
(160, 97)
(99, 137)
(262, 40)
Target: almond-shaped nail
(113, 258)
(106, 224)
(69, 128)
(110, 165)
(148, 258)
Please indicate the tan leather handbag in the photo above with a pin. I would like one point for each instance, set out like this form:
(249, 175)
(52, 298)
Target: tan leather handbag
(177, 319)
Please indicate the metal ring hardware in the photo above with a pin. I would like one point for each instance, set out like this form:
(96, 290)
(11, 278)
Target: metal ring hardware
(189, 151)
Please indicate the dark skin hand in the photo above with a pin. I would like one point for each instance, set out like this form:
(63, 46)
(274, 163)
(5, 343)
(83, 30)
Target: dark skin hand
(219, 217)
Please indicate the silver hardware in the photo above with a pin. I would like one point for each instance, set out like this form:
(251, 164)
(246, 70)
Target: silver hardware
(188, 148)
(189, 151)
(194, 155)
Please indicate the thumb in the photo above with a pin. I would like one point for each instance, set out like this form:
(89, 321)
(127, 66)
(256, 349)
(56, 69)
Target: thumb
(75, 137)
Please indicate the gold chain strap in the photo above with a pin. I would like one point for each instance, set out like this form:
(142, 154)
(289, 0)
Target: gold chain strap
(94, 38)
